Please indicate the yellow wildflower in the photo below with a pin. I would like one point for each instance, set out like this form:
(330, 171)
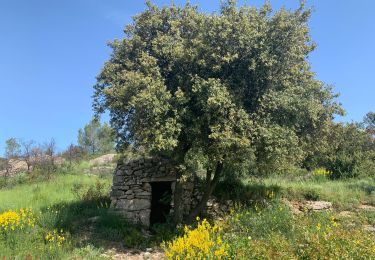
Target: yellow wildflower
(200, 243)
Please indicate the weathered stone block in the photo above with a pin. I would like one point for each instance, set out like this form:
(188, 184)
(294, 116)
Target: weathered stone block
(144, 217)
(119, 173)
(134, 204)
(153, 169)
(120, 187)
(143, 193)
(128, 172)
(118, 179)
(146, 187)
(116, 193)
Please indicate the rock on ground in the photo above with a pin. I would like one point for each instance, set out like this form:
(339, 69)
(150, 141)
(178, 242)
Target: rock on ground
(135, 255)
(317, 205)
(367, 207)
(299, 207)
(104, 159)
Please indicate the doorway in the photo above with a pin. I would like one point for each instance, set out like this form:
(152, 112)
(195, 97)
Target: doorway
(161, 201)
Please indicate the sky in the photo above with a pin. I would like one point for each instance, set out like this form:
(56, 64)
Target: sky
(51, 52)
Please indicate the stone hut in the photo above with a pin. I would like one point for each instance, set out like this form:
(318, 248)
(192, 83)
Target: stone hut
(143, 190)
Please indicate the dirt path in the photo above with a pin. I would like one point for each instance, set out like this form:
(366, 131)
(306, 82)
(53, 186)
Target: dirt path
(134, 254)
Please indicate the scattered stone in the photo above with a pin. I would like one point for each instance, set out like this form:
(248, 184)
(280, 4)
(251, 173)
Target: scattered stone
(294, 206)
(345, 214)
(369, 228)
(366, 207)
(93, 219)
(316, 205)
(104, 159)
(297, 207)
(147, 255)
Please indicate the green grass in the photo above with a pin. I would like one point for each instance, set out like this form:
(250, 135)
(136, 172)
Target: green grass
(274, 233)
(344, 194)
(78, 204)
(43, 194)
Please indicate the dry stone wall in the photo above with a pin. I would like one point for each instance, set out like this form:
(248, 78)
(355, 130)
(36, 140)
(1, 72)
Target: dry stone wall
(131, 193)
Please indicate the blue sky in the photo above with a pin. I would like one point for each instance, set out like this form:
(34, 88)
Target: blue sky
(51, 52)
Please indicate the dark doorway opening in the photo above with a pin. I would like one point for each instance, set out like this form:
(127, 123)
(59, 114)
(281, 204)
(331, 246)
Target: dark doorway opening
(161, 201)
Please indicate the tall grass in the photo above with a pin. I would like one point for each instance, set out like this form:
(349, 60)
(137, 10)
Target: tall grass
(43, 194)
(344, 194)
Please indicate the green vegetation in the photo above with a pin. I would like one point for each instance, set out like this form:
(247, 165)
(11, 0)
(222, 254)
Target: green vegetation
(96, 138)
(231, 99)
(12, 148)
(344, 194)
(274, 233)
(75, 203)
(72, 219)
(227, 94)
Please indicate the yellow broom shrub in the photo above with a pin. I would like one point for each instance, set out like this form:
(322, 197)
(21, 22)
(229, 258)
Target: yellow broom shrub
(203, 242)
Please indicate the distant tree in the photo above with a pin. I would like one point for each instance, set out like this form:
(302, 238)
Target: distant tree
(49, 158)
(215, 89)
(73, 153)
(96, 138)
(50, 149)
(12, 148)
(369, 122)
(351, 151)
(27, 147)
(37, 154)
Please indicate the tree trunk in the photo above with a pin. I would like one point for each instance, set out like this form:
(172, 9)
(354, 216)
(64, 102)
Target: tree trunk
(179, 159)
(28, 165)
(178, 205)
(210, 186)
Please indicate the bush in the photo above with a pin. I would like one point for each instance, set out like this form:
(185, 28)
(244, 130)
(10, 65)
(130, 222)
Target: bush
(203, 242)
(343, 166)
(95, 192)
(23, 234)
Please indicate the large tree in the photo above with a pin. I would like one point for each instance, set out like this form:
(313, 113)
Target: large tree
(216, 88)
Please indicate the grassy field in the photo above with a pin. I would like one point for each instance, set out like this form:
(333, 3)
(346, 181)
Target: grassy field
(42, 194)
(70, 220)
(344, 194)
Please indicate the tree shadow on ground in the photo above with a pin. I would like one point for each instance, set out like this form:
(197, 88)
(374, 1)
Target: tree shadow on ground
(92, 223)
(256, 193)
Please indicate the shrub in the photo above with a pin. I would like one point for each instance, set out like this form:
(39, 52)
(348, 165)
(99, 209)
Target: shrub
(203, 242)
(94, 192)
(274, 233)
(54, 238)
(322, 172)
(11, 220)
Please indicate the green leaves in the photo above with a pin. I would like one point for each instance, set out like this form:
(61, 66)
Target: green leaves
(222, 84)
(96, 138)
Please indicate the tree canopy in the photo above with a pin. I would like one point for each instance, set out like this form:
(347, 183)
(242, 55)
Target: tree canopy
(12, 148)
(96, 138)
(226, 86)
(369, 122)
